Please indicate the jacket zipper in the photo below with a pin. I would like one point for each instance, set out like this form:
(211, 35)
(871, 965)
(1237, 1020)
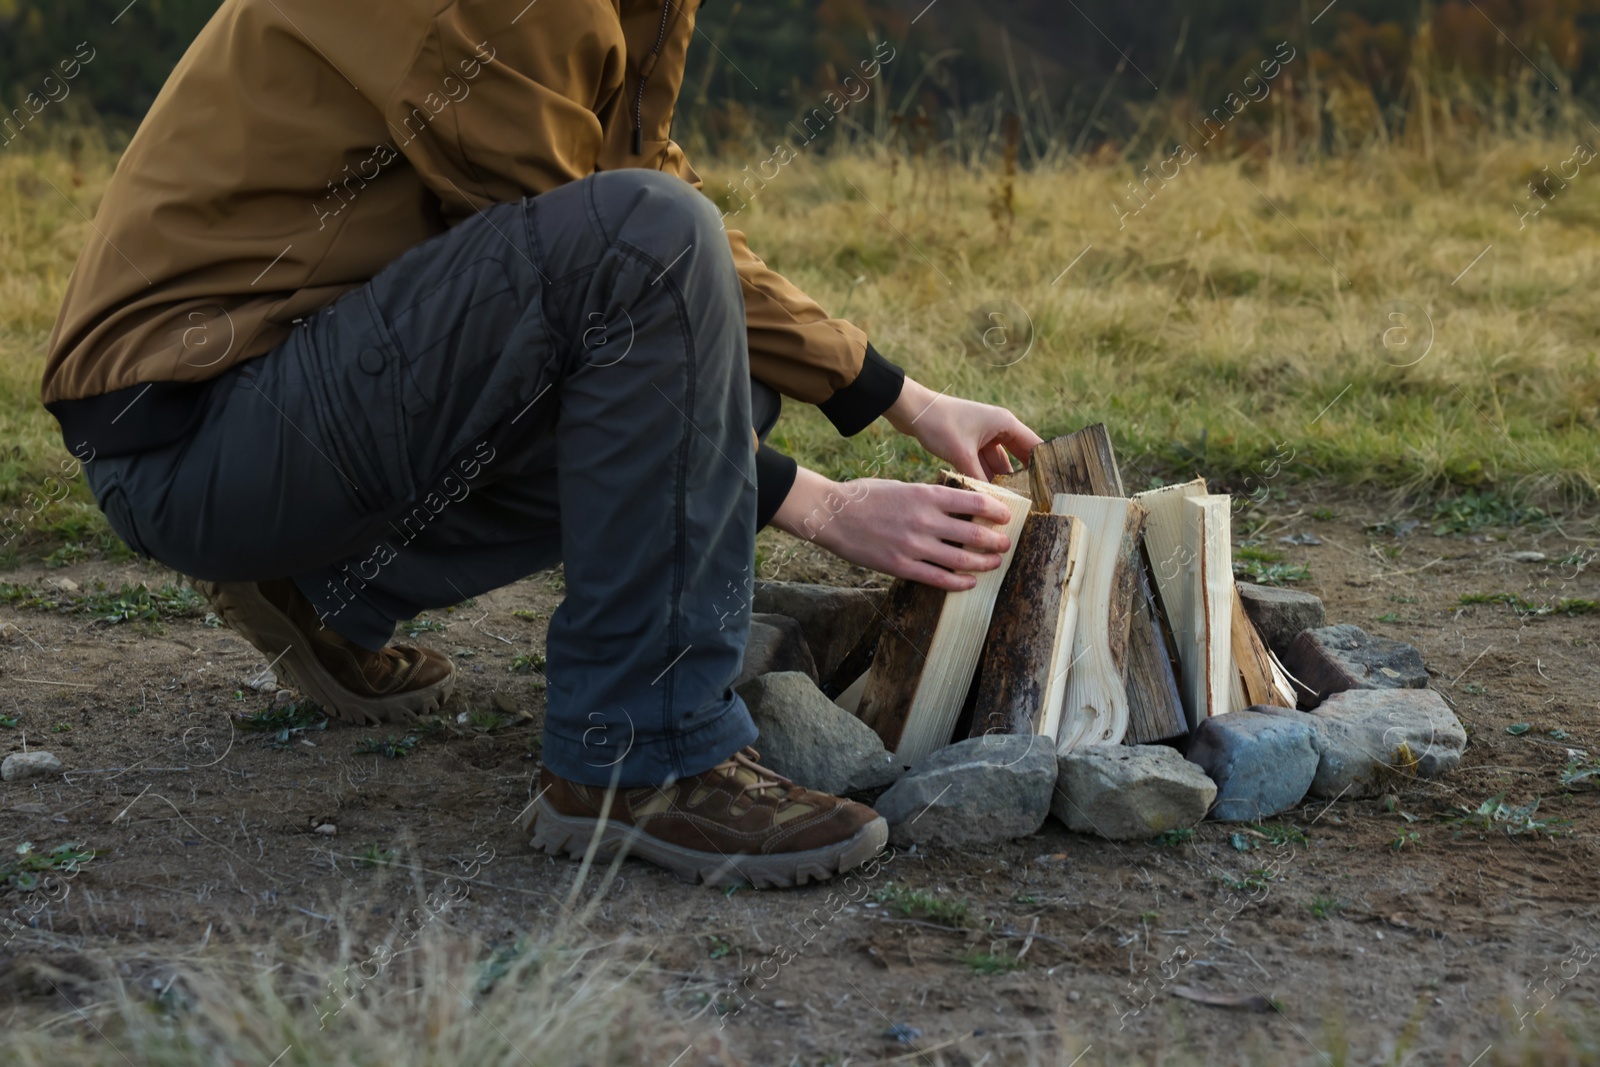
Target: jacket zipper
(638, 101)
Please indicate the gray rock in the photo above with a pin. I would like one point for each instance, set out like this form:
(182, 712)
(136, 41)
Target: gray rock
(776, 644)
(807, 737)
(1130, 792)
(35, 764)
(975, 792)
(1336, 659)
(1370, 740)
(1281, 614)
(1262, 760)
(831, 618)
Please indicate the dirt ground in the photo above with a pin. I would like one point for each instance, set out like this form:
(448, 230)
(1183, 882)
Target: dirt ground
(1395, 925)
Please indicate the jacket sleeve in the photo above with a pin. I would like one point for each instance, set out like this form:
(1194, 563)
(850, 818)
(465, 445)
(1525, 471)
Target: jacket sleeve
(795, 347)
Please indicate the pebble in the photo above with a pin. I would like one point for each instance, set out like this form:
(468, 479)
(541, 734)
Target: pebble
(1527, 557)
(35, 764)
(61, 585)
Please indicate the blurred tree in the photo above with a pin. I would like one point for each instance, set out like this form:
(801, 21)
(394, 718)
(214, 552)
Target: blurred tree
(1086, 69)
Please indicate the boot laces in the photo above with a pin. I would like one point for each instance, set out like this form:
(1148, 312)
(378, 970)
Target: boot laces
(765, 777)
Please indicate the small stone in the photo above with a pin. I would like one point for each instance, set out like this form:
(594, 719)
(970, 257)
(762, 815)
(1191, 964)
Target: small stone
(283, 698)
(261, 682)
(1130, 792)
(1281, 614)
(807, 737)
(831, 618)
(1526, 557)
(22, 765)
(9, 632)
(503, 703)
(975, 792)
(61, 585)
(1335, 659)
(1370, 740)
(1262, 761)
(776, 644)
(326, 829)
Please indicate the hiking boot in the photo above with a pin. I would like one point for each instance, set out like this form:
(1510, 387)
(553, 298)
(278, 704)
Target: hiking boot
(351, 683)
(737, 822)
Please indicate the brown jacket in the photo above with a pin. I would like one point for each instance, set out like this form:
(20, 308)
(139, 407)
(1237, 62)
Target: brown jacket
(301, 145)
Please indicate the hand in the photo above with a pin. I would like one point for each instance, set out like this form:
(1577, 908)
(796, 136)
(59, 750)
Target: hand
(898, 528)
(974, 438)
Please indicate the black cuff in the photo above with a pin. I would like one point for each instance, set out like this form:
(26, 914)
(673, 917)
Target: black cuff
(774, 478)
(855, 407)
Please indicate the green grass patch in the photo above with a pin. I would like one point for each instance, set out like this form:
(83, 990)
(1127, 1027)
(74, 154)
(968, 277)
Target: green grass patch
(527, 663)
(1325, 907)
(989, 964)
(388, 747)
(1495, 814)
(919, 904)
(1523, 606)
(26, 871)
(283, 721)
(1268, 573)
(1472, 511)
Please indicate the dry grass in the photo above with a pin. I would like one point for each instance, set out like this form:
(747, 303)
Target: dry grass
(440, 999)
(1236, 317)
(1227, 316)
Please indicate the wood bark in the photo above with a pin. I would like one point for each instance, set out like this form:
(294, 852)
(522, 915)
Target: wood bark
(1084, 463)
(1023, 654)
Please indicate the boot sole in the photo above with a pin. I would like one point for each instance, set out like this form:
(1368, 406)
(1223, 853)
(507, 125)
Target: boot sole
(275, 635)
(556, 834)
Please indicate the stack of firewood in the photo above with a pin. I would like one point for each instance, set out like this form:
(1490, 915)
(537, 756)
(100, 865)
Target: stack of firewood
(1113, 618)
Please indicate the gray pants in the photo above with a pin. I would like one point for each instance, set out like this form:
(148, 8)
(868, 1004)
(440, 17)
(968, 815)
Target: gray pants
(560, 380)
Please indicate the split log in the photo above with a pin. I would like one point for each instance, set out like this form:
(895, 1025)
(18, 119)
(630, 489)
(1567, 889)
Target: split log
(1259, 675)
(1084, 463)
(1212, 677)
(928, 653)
(1025, 656)
(1170, 564)
(1095, 710)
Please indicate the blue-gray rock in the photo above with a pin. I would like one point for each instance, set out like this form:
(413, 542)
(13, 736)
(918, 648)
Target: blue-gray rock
(776, 644)
(1263, 761)
(975, 792)
(807, 737)
(1281, 615)
(1369, 741)
(1339, 658)
(1130, 792)
(831, 618)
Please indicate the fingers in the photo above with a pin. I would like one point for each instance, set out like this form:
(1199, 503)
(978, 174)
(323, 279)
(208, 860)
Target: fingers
(1018, 438)
(928, 574)
(995, 461)
(967, 502)
(959, 558)
(969, 464)
(974, 536)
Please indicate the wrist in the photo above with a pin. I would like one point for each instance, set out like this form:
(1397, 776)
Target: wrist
(813, 503)
(914, 399)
